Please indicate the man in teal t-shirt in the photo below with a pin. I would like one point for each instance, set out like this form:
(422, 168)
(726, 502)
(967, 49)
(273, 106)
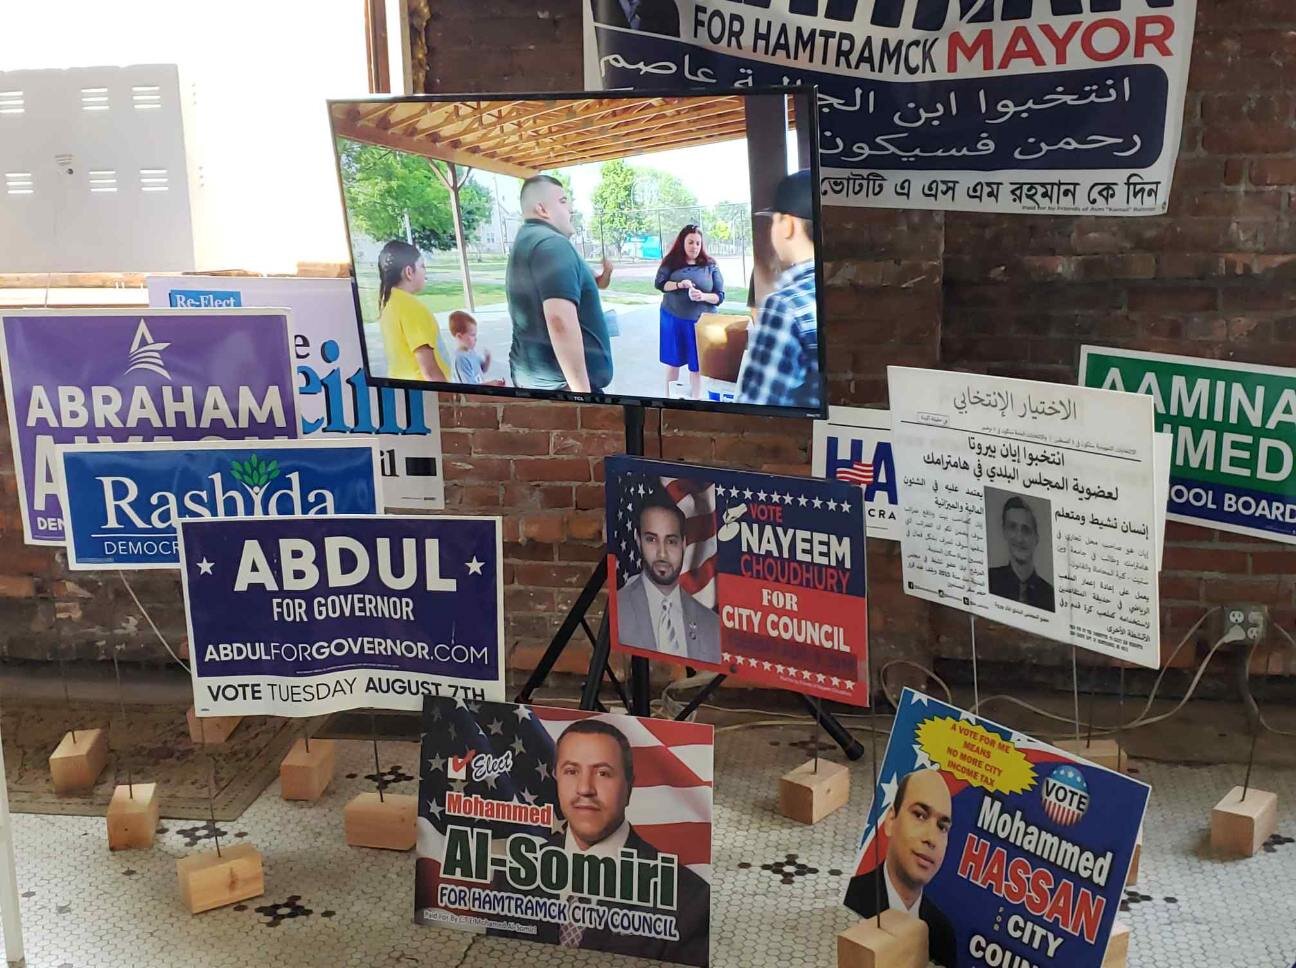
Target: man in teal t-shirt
(560, 338)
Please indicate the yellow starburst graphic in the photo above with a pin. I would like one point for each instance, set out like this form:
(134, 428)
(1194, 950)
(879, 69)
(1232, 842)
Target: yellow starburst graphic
(974, 754)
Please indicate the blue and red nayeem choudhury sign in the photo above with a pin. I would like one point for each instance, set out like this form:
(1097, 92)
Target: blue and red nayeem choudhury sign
(1049, 107)
(306, 615)
(120, 376)
(122, 503)
(1013, 851)
(755, 575)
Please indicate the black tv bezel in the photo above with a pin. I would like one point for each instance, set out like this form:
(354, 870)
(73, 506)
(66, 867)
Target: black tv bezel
(811, 116)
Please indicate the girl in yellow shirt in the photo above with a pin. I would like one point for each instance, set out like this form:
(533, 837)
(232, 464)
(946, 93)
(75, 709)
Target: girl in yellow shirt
(409, 330)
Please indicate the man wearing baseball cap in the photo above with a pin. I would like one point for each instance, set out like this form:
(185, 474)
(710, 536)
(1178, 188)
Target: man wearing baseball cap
(781, 367)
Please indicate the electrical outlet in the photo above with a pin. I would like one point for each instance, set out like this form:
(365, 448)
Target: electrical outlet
(1246, 622)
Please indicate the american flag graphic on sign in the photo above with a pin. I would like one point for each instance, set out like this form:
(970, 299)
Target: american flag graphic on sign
(858, 472)
(697, 502)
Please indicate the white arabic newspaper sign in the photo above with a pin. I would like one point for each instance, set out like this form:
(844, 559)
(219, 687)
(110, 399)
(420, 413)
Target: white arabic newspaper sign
(1033, 504)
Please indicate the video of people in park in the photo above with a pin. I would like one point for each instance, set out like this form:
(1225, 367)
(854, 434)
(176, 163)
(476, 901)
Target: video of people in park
(611, 248)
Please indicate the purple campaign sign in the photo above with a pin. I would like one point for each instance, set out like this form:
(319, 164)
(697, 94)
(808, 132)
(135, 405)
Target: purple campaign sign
(98, 376)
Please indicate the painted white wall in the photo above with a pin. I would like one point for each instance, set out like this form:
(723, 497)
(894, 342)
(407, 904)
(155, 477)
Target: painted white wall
(254, 76)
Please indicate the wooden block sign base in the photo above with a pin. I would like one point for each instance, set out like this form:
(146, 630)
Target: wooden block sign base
(386, 824)
(1104, 752)
(901, 942)
(209, 881)
(807, 795)
(1239, 826)
(133, 816)
(213, 730)
(305, 774)
(1132, 877)
(75, 764)
(1117, 946)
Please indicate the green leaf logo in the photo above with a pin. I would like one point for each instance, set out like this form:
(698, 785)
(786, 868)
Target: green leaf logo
(254, 472)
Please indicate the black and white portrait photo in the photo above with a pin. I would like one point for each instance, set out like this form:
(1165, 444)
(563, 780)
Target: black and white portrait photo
(1019, 548)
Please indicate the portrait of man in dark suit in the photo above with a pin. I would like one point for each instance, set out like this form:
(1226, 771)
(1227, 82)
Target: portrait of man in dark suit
(917, 831)
(1018, 579)
(651, 16)
(653, 611)
(593, 767)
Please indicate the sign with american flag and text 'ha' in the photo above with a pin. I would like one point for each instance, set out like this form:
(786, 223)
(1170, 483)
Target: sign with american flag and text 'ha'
(854, 445)
(753, 575)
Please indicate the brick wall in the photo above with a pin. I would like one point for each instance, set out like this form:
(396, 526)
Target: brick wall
(1214, 277)
(1013, 295)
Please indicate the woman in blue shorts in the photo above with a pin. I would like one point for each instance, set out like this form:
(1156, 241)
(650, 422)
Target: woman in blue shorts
(691, 285)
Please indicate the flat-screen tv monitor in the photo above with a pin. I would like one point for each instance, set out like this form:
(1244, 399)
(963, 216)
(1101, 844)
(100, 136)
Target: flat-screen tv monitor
(613, 247)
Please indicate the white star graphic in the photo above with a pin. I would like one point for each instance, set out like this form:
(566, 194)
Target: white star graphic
(832, 505)
(761, 495)
(522, 712)
(889, 792)
(845, 506)
(805, 674)
(821, 677)
(747, 495)
(802, 500)
(849, 684)
(474, 566)
(726, 656)
(917, 697)
(921, 760)
(205, 566)
(817, 503)
(767, 666)
(780, 669)
(835, 681)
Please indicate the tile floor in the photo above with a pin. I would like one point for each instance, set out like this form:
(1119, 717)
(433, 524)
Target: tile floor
(777, 893)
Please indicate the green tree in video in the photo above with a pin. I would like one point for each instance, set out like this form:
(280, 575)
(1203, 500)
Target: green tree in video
(616, 215)
(383, 186)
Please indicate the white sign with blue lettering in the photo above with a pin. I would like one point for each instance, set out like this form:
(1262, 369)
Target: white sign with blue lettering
(334, 398)
(854, 445)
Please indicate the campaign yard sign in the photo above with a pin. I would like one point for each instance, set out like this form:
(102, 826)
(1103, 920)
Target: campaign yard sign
(130, 375)
(754, 575)
(1014, 852)
(1040, 106)
(334, 398)
(122, 503)
(1233, 460)
(308, 615)
(854, 445)
(1033, 504)
(566, 827)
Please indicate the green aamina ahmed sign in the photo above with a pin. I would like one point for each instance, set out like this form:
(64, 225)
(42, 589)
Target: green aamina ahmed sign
(1233, 427)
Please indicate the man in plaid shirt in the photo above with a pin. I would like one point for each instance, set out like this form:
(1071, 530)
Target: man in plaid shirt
(781, 367)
